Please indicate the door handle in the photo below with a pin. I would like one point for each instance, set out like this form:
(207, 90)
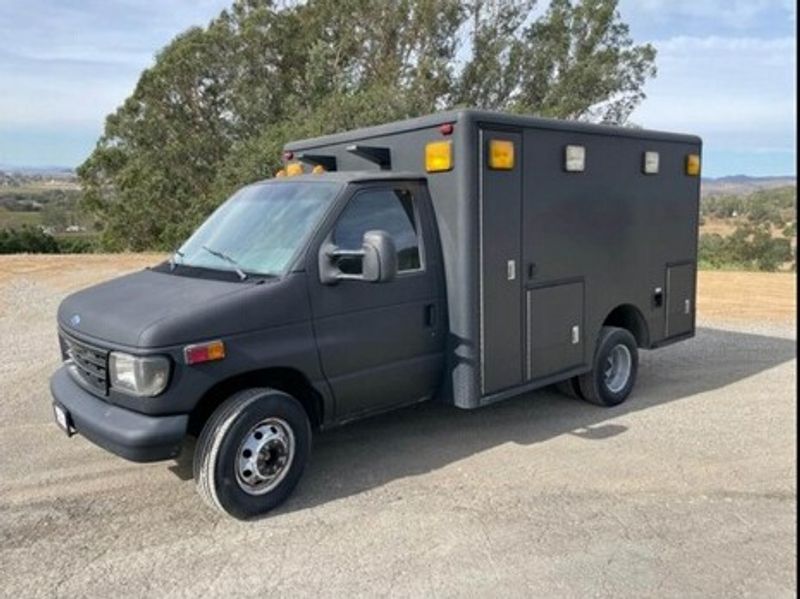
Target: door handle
(532, 269)
(430, 315)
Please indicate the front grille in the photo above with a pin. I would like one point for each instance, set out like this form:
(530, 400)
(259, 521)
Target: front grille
(89, 364)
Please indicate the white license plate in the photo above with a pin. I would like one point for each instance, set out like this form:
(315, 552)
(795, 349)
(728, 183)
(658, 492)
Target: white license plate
(62, 419)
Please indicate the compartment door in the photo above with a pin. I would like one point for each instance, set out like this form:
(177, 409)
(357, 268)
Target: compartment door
(500, 248)
(555, 329)
(680, 299)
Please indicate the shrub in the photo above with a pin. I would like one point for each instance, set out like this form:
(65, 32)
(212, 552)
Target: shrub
(27, 239)
(76, 244)
(750, 246)
(33, 240)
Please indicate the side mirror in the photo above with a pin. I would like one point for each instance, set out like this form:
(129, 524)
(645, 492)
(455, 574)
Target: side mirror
(377, 258)
(379, 264)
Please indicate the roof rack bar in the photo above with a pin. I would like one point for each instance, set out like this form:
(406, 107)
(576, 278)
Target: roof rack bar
(379, 155)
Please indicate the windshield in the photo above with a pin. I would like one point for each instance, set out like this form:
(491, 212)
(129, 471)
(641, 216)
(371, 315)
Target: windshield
(259, 229)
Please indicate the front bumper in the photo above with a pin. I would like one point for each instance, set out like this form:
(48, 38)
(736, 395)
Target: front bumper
(128, 434)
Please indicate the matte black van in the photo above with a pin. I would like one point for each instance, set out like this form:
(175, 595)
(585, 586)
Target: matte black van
(465, 256)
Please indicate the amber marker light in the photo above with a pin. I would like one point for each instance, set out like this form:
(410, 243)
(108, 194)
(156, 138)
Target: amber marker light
(693, 165)
(204, 352)
(438, 156)
(501, 154)
(294, 168)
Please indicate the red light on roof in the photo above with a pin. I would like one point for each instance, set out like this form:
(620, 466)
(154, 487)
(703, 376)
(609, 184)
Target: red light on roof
(446, 129)
(288, 155)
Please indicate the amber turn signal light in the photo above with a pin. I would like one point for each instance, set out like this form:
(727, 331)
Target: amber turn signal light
(204, 352)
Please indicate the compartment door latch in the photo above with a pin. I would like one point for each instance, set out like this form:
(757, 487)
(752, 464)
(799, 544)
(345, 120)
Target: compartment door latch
(512, 270)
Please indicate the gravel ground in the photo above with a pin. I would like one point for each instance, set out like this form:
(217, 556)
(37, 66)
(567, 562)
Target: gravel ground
(688, 489)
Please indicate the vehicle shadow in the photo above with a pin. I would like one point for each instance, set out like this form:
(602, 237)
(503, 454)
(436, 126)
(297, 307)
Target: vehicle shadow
(415, 440)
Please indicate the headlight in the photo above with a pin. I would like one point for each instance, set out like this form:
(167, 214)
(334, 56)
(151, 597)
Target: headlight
(145, 376)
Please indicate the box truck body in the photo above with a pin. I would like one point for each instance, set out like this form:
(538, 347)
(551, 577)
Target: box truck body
(537, 258)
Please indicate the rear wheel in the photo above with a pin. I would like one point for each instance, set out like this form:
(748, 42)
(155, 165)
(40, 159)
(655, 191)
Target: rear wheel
(615, 366)
(252, 452)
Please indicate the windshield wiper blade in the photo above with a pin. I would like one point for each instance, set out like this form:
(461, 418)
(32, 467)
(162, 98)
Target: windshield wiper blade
(228, 259)
(172, 262)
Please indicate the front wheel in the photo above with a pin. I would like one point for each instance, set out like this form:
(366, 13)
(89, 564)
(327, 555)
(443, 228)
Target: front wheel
(252, 452)
(614, 370)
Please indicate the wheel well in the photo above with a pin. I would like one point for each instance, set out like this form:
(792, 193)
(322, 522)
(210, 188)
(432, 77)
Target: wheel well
(629, 317)
(288, 380)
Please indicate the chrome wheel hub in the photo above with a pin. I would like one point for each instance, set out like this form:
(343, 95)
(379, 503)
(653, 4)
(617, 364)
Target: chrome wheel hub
(617, 368)
(265, 456)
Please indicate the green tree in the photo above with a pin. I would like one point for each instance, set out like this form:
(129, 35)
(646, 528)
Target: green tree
(577, 61)
(713, 250)
(215, 109)
(754, 246)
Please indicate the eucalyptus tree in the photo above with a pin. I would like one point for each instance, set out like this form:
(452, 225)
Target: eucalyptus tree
(215, 109)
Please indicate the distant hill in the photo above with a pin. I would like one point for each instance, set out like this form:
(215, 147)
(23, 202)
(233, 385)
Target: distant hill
(743, 185)
(16, 177)
(37, 170)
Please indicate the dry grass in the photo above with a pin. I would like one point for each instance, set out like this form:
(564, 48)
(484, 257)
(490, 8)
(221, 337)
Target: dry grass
(739, 296)
(728, 226)
(747, 296)
(722, 227)
(67, 271)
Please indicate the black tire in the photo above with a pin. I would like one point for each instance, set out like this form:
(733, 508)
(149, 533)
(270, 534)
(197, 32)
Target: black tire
(594, 386)
(569, 387)
(215, 458)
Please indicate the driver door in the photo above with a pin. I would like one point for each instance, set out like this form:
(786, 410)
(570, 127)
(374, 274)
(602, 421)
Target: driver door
(381, 344)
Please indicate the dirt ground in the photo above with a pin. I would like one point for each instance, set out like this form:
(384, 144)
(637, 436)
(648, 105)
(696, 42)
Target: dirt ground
(688, 489)
(66, 272)
(747, 296)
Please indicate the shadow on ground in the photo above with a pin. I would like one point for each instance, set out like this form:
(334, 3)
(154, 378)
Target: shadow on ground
(368, 454)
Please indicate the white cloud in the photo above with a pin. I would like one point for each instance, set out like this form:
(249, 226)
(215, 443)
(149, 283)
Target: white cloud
(737, 93)
(740, 14)
(73, 64)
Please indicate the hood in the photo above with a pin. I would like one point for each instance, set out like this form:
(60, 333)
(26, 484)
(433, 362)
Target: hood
(129, 309)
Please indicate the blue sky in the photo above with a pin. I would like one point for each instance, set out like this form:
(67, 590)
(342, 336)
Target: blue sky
(726, 72)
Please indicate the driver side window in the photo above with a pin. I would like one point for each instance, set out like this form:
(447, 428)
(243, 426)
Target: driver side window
(390, 210)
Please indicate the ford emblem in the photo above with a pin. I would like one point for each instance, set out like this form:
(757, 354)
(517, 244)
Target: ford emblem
(75, 320)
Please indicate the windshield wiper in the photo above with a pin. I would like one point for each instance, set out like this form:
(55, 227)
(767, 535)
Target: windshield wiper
(172, 262)
(228, 259)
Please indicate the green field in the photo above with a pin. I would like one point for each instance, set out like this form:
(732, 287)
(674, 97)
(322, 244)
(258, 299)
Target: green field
(16, 219)
(34, 201)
